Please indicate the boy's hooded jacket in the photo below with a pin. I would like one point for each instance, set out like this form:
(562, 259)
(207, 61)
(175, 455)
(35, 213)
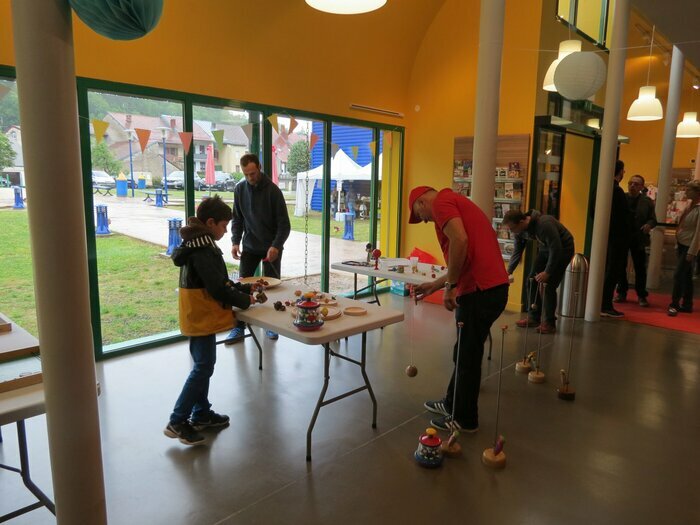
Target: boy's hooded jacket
(206, 293)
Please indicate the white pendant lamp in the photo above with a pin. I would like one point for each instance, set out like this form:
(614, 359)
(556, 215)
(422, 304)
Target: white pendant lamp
(566, 47)
(647, 107)
(593, 123)
(346, 7)
(689, 127)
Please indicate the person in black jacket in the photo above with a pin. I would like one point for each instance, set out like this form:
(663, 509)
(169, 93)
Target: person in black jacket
(618, 243)
(556, 248)
(205, 297)
(261, 221)
(643, 217)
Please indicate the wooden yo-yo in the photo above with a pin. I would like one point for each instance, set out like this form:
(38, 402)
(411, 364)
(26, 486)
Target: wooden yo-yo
(565, 390)
(450, 447)
(494, 457)
(411, 371)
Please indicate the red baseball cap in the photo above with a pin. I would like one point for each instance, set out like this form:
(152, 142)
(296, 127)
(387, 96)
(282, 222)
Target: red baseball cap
(412, 198)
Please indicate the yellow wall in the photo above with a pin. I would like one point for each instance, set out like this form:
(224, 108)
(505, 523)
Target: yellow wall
(442, 95)
(277, 52)
(576, 183)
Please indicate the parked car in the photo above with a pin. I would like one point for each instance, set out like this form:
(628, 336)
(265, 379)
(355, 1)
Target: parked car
(222, 179)
(176, 181)
(102, 179)
(231, 183)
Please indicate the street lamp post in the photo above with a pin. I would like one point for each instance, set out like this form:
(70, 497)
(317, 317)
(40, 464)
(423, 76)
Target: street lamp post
(164, 131)
(131, 160)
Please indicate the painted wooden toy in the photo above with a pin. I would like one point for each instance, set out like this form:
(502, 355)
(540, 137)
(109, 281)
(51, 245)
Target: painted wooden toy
(308, 317)
(495, 457)
(376, 254)
(411, 371)
(450, 447)
(428, 454)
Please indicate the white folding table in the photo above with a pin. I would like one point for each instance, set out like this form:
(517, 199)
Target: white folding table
(265, 316)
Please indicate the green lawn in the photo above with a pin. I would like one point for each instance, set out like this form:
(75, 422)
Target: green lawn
(137, 285)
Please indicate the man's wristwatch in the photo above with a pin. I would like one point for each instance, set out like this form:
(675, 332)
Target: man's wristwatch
(450, 286)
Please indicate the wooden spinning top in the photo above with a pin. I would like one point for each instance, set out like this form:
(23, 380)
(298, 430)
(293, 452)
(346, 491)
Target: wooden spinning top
(536, 376)
(450, 447)
(494, 457)
(525, 366)
(565, 390)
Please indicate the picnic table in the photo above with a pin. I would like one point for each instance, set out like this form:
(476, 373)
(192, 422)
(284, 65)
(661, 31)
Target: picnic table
(102, 189)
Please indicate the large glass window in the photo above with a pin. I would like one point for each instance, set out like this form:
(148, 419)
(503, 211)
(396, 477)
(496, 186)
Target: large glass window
(593, 18)
(16, 277)
(138, 178)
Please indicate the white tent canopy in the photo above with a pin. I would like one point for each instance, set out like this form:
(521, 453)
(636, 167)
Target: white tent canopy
(342, 168)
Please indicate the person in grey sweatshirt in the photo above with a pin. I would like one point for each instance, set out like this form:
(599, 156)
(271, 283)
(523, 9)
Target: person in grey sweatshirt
(688, 245)
(556, 248)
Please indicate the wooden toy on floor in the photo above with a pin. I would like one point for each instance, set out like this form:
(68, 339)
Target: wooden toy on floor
(495, 457)
(525, 366)
(428, 454)
(565, 390)
(537, 376)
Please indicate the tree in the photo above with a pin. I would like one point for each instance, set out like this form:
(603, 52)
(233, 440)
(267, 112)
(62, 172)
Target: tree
(103, 159)
(7, 154)
(299, 158)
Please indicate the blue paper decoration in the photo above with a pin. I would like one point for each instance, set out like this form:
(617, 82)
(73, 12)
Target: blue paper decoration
(119, 19)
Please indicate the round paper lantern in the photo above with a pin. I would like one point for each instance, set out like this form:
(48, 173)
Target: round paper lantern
(579, 75)
(119, 19)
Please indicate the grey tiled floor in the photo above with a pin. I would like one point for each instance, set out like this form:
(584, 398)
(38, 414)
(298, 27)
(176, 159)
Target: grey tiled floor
(623, 452)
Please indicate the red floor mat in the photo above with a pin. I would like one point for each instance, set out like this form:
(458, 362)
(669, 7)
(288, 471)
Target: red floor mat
(656, 313)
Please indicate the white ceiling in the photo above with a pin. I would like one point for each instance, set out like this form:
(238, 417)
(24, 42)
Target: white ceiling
(677, 20)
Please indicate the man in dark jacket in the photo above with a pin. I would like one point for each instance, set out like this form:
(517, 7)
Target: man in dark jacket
(261, 220)
(618, 243)
(556, 248)
(643, 217)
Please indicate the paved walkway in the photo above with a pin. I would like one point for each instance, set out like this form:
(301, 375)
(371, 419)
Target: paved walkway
(143, 220)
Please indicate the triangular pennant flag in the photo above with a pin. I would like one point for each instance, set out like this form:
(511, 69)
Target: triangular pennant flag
(248, 130)
(143, 135)
(292, 124)
(100, 126)
(4, 90)
(280, 142)
(313, 139)
(355, 151)
(273, 121)
(372, 148)
(388, 137)
(186, 139)
(284, 134)
(334, 150)
(219, 138)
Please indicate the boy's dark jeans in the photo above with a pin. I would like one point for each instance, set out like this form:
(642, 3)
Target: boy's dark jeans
(193, 401)
(478, 311)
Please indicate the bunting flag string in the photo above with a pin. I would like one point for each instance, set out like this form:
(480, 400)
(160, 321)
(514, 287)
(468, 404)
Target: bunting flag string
(99, 126)
(4, 90)
(334, 149)
(186, 139)
(388, 138)
(313, 139)
(219, 138)
(372, 148)
(143, 135)
(273, 121)
(355, 152)
(292, 124)
(248, 130)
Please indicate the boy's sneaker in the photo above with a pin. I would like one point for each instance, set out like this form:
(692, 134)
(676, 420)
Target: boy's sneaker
(235, 336)
(438, 407)
(672, 311)
(213, 421)
(272, 335)
(449, 424)
(184, 432)
(611, 313)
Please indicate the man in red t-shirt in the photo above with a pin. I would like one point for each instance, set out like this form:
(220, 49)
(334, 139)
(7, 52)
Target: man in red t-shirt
(476, 286)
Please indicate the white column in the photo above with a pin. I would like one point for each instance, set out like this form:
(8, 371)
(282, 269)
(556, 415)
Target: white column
(675, 86)
(43, 39)
(488, 86)
(608, 152)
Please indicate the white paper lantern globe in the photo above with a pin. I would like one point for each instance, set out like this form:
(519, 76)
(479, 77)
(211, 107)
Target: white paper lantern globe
(579, 75)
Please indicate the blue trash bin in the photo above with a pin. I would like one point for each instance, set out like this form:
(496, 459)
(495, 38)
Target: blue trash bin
(142, 183)
(349, 233)
(174, 238)
(122, 187)
(102, 220)
(159, 197)
(19, 200)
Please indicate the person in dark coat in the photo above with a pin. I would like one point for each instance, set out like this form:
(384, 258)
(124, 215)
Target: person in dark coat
(618, 243)
(643, 216)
